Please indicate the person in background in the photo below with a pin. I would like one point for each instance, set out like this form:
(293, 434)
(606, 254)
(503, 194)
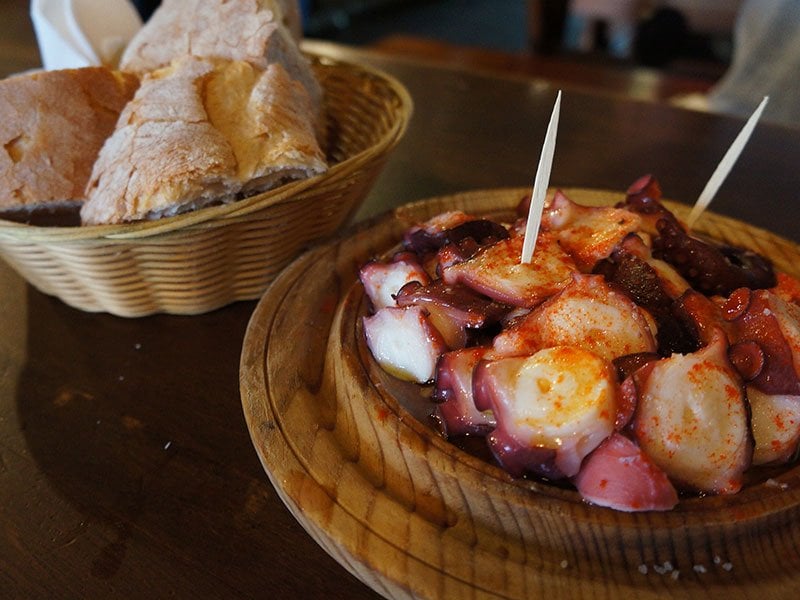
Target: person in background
(765, 62)
(618, 16)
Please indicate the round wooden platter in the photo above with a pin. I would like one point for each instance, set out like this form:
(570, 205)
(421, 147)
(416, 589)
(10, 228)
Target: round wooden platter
(412, 515)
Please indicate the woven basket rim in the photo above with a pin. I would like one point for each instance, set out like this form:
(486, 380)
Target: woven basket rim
(218, 214)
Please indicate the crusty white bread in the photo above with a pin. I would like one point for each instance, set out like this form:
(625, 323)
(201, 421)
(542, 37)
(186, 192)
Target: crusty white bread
(266, 117)
(202, 131)
(261, 32)
(52, 126)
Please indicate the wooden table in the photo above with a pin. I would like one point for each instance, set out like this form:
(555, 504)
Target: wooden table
(126, 468)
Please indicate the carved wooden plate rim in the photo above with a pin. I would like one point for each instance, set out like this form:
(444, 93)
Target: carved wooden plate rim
(413, 516)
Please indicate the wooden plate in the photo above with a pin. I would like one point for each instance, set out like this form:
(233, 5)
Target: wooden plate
(411, 515)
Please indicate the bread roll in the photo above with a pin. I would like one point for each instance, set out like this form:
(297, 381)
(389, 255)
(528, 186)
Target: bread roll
(52, 126)
(202, 131)
(260, 32)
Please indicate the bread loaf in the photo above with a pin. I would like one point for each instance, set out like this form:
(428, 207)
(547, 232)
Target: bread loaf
(261, 32)
(203, 131)
(52, 126)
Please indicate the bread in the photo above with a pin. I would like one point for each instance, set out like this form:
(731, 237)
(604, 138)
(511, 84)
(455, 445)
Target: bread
(52, 126)
(266, 117)
(202, 131)
(288, 13)
(261, 32)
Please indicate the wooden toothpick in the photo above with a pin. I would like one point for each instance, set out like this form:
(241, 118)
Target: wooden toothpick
(725, 165)
(540, 184)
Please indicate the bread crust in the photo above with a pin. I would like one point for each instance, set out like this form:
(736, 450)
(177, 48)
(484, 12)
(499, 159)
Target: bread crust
(202, 131)
(266, 118)
(260, 32)
(52, 126)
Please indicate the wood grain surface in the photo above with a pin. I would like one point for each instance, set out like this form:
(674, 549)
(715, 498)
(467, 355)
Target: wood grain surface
(413, 516)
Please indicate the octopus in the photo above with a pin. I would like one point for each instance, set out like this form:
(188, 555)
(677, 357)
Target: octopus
(630, 359)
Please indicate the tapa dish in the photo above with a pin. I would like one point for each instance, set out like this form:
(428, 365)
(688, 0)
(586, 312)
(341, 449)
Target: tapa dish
(412, 515)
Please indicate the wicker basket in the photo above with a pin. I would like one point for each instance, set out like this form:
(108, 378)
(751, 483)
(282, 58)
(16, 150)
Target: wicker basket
(199, 261)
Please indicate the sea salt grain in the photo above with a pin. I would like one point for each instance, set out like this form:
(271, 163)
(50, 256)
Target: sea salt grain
(727, 566)
(675, 575)
(564, 564)
(643, 569)
(662, 569)
(699, 569)
(776, 484)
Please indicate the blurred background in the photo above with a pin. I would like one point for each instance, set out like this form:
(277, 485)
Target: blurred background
(718, 55)
(645, 31)
(688, 52)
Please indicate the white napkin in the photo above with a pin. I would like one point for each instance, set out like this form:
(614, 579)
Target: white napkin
(80, 33)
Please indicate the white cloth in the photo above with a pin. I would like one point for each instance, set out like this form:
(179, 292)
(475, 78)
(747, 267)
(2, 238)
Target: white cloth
(766, 62)
(81, 33)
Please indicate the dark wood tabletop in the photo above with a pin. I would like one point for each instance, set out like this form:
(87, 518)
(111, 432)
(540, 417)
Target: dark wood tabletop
(126, 467)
